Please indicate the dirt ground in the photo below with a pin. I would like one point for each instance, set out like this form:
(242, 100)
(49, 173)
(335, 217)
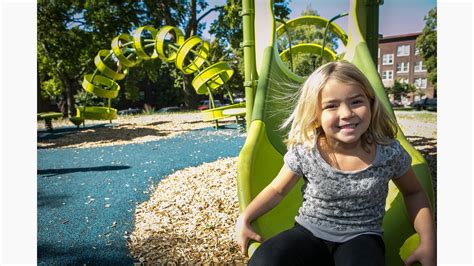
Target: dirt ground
(126, 130)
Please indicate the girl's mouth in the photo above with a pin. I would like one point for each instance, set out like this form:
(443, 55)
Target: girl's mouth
(348, 126)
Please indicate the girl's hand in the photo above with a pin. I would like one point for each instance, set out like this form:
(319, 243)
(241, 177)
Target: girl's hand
(244, 232)
(424, 254)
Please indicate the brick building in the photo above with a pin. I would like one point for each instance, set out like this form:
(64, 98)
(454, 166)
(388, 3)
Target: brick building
(398, 59)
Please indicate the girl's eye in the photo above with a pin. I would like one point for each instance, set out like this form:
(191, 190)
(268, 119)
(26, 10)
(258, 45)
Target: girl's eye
(329, 106)
(355, 102)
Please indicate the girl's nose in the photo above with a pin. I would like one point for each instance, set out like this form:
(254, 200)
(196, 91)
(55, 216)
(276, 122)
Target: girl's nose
(345, 111)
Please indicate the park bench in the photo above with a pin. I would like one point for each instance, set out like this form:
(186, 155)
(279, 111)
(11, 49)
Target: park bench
(48, 117)
(215, 114)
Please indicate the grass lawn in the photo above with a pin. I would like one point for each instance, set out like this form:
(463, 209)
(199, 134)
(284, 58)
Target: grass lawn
(420, 116)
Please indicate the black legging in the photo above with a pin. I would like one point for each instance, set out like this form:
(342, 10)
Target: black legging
(298, 246)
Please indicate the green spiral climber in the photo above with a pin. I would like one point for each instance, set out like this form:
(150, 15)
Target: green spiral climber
(147, 43)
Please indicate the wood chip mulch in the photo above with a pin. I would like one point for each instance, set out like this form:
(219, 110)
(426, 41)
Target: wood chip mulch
(190, 218)
(191, 214)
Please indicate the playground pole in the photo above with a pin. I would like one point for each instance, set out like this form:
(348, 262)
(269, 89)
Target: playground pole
(248, 44)
(368, 20)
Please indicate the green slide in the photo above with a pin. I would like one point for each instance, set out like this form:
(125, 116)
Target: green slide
(267, 79)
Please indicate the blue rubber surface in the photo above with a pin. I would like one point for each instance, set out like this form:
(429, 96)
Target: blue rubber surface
(87, 197)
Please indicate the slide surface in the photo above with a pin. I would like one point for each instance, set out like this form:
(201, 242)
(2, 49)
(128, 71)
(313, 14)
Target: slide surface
(262, 154)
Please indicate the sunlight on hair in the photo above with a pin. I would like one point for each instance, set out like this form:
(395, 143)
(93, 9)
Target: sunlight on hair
(305, 115)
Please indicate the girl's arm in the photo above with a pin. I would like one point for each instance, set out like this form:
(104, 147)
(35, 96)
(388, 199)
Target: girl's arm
(266, 200)
(419, 211)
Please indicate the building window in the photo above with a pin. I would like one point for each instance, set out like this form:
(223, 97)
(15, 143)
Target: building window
(419, 67)
(403, 50)
(387, 75)
(421, 83)
(387, 59)
(379, 53)
(417, 51)
(403, 67)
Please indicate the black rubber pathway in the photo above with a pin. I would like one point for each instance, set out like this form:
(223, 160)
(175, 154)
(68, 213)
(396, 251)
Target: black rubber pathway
(87, 197)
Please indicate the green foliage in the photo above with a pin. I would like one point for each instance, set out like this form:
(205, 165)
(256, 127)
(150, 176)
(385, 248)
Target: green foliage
(427, 44)
(227, 31)
(82, 98)
(228, 34)
(133, 91)
(50, 88)
(420, 92)
(305, 64)
(71, 32)
(227, 28)
(281, 9)
(160, 13)
(424, 117)
(401, 89)
(410, 88)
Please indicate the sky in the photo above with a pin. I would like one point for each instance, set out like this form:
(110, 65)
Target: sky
(396, 16)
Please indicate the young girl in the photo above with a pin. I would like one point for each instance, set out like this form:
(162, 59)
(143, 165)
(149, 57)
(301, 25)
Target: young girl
(342, 142)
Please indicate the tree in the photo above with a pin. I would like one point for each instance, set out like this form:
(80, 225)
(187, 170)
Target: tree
(227, 29)
(305, 64)
(192, 27)
(401, 89)
(71, 32)
(427, 45)
(56, 42)
(183, 14)
(69, 35)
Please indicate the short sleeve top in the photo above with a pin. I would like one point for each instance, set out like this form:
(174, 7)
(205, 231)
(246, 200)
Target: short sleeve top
(339, 205)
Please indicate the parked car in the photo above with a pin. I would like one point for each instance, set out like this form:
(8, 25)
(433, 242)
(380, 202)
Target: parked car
(205, 104)
(396, 103)
(429, 104)
(169, 109)
(130, 111)
(239, 100)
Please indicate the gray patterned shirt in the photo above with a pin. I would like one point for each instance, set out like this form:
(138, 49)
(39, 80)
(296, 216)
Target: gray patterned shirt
(340, 205)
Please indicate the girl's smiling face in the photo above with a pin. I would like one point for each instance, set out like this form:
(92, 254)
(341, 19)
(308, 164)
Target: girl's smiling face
(345, 113)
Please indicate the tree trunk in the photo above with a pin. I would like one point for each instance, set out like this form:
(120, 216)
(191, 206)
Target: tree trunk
(66, 104)
(62, 105)
(70, 99)
(190, 96)
(68, 94)
(191, 28)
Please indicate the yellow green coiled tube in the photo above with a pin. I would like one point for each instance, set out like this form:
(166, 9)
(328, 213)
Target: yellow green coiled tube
(167, 44)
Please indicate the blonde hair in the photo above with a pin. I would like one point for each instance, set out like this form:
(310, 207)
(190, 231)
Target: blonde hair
(305, 119)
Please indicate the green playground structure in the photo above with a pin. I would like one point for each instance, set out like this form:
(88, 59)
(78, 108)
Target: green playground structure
(267, 78)
(48, 117)
(167, 44)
